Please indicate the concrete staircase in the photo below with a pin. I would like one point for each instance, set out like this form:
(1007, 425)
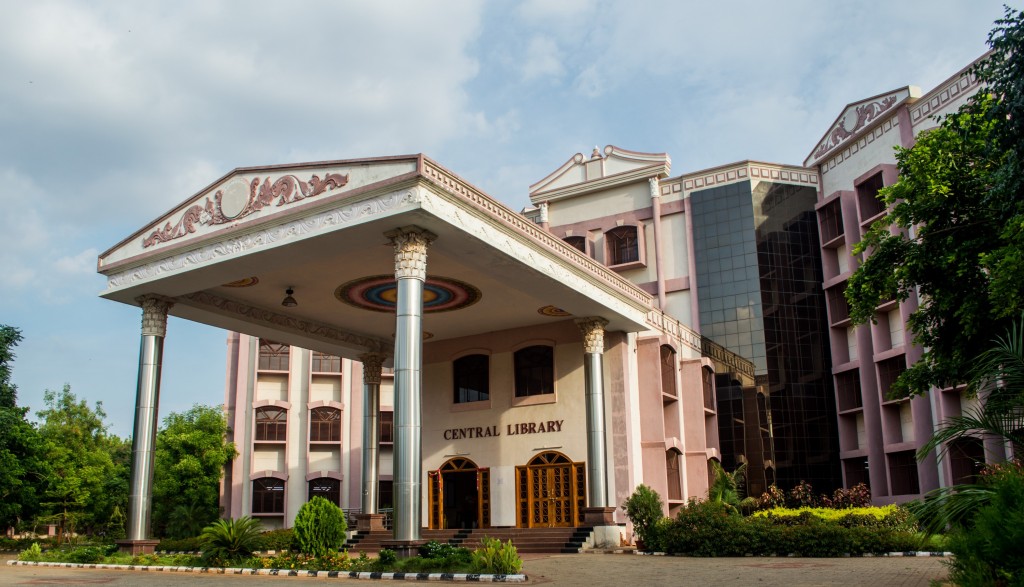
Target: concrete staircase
(526, 540)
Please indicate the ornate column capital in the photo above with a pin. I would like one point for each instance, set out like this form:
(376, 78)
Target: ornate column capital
(154, 314)
(593, 333)
(410, 251)
(372, 364)
(655, 186)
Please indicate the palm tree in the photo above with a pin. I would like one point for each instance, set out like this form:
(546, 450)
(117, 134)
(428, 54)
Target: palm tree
(999, 373)
(226, 540)
(728, 488)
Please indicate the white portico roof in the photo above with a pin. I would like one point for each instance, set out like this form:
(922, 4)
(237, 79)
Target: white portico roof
(226, 255)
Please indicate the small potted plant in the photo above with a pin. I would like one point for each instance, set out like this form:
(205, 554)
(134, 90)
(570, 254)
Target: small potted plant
(644, 509)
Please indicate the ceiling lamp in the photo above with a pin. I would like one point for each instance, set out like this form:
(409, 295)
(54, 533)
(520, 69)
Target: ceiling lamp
(289, 301)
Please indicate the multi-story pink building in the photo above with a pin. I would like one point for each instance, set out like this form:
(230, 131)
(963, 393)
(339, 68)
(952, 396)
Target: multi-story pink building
(879, 436)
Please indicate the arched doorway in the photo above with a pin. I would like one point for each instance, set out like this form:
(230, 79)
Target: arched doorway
(460, 495)
(551, 491)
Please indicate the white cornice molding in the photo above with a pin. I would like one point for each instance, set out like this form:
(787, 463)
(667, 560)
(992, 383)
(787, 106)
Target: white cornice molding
(599, 184)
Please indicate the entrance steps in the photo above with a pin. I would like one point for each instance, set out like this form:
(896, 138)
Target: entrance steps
(526, 540)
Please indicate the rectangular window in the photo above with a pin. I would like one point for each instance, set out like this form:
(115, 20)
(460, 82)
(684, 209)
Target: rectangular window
(534, 370)
(471, 376)
(325, 425)
(848, 390)
(888, 371)
(831, 218)
(867, 197)
(324, 363)
(271, 424)
(903, 473)
(623, 245)
(273, 356)
(387, 427)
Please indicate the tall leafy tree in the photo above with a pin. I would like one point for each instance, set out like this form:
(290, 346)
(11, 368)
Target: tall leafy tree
(9, 338)
(191, 451)
(89, 466)
(22, 465)
(954, 231)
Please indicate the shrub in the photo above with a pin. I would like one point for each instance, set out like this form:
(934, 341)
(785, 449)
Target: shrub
(386, 558)
(32, 553)
(84, 555)
(497, 557)
(319, 527)
(989, 552)
(773, 497)
(644, 509)
(226, 540)
(802, 495)
(281, 539)
(181, 544)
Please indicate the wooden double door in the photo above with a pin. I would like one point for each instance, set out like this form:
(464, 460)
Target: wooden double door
(460, 495)
(551, 492)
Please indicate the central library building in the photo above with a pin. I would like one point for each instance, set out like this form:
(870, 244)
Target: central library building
(407, 347)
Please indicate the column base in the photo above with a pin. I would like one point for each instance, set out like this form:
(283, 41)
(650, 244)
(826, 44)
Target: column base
(404, 548)
(370, 522)
(137, 547)
(599, 516)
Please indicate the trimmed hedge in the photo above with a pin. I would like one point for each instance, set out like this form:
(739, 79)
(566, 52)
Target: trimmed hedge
(709, 529)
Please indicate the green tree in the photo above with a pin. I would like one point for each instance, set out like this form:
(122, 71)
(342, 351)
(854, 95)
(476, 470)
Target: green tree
(999, 375)
(9, 338)
(22, 466)
(958, 215)
(191, 451)
(88, 466)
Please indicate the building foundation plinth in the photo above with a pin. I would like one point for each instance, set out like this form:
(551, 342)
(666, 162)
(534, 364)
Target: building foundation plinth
(371, 522)
(137, 547)
(599, 516)
(404, 548)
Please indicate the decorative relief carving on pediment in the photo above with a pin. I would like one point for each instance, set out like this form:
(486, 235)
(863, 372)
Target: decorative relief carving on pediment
(852, 121)
(235, 201)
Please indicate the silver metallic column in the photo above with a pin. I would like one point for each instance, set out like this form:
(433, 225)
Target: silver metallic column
(410, 272)
(371, 429)
(593, 372)
(140, 497)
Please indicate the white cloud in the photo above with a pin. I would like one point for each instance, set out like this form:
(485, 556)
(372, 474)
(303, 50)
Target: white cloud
(543, 59)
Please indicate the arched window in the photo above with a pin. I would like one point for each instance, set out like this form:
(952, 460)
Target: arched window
(327, 488)
(271, 423)
(268, 496)
(534, 370)
(577, 242)
(273, 356)
(325, 425)
(623, 245)
(472, 378)
(675, 486)
(668, 371)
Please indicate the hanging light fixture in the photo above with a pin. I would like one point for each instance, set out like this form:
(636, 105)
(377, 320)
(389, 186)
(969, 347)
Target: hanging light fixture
(289, 301)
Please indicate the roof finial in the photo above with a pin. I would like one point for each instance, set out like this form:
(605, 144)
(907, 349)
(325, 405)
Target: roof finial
(596, 154)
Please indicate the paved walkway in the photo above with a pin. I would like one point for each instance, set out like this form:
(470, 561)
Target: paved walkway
(589, 570)
(632, 570)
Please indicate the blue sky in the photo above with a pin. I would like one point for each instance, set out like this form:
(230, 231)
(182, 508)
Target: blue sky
(113, 112)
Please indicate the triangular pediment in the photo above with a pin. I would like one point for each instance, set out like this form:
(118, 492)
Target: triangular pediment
(601, 169)
(856, 117)
(252, 195)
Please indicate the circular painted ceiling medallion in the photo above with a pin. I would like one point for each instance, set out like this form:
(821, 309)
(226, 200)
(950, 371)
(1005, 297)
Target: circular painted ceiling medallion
(380, 294)
(247, 282)
(552, 311)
